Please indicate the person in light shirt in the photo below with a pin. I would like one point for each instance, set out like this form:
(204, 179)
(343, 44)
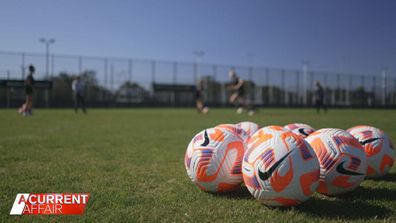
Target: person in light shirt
(79, 99)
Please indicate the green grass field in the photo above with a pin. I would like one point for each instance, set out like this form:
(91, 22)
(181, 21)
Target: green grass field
(131, 161)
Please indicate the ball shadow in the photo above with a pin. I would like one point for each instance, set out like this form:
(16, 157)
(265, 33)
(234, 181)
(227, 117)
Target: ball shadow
(342, 209)
(240, 193)
(388, 177)
(366, 193)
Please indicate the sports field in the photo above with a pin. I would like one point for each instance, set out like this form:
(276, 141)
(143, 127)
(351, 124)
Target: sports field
(131, 161)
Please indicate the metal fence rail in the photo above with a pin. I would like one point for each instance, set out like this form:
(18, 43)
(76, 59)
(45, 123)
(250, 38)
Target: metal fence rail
(273, 87)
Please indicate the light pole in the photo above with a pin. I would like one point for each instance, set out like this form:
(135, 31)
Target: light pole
(47, 43)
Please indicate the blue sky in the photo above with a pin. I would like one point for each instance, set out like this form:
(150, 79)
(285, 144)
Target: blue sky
(356, 36)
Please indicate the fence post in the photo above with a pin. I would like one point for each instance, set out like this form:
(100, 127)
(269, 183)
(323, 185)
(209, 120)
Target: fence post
(283, 88)
(305, 77)
(214, 72)
(269, 87)
(174, 72)
(130, 67)
(174, 82)
(297, 88)
(252, 92)
(195, 72)
(338, 90)
(250, 73)
(23, 66)
(383, 87)
(394, 91)
(112, 78)
(310, 85)
(79, 65)
(373, 88)
(8, 90)
(105, 79)
(153, 71)
(52, 64)
(348, 92)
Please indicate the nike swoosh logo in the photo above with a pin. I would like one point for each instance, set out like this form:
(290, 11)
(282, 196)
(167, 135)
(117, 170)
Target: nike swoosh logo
(206, 142)
(369, 140)
(266, 175)
(302, 132)
(342, 170)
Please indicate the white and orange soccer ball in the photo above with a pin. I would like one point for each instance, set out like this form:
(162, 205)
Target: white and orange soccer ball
(213, 160)
(237, 130)
(300, 129)
(378, 147)
(272, 128)
(342, 160)
(280, 168)
(249, 127)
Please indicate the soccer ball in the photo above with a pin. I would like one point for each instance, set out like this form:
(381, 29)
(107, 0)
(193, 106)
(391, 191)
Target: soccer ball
(342, 160)
(205, 110)
(280, 168)
(22, 109)
(237, 130)
(273, 128)
(213, 160)
(300, 129)
(379, 149)
(249, 127)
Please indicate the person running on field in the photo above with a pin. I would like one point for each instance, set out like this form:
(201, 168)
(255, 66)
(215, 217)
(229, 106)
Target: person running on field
(319, 97)
(78, 90)
(238, 97)
(199, 103)
(26, 108)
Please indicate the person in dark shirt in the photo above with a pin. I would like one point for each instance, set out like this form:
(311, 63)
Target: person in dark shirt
(26, 109)
(319, 97)
(78, 88)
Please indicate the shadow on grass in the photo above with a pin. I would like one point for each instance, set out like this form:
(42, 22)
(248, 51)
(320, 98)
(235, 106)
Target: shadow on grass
(343, 209)
(350, 206)
(240, 193)
(364, 194)
(389, 177)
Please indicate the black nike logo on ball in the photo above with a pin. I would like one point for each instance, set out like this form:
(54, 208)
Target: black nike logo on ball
(368, 141)
(302, 132)
(266, 175)
(342, 170)
(206, 142)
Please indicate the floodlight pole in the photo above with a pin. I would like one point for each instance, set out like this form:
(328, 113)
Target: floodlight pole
(47, 43)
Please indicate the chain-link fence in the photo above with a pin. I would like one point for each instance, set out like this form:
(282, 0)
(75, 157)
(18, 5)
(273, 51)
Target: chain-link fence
(136, 82)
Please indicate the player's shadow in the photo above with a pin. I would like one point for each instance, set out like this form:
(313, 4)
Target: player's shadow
(354, 205)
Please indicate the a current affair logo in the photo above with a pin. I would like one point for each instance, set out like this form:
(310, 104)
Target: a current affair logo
(49, 204)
